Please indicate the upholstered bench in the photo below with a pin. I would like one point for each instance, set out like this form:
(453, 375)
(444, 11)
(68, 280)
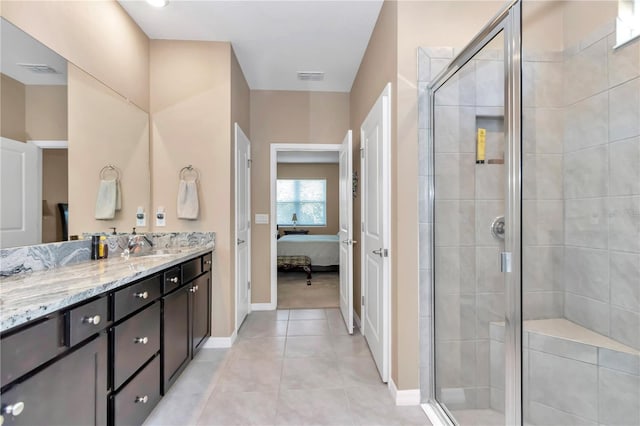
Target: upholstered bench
(288, 263)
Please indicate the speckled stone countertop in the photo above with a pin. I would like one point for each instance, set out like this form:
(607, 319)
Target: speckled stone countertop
(28, 296)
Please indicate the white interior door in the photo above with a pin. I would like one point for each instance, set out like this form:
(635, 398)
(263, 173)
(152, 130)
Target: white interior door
(243, 225)
(20, 194)
(346, 232)
(375, 137)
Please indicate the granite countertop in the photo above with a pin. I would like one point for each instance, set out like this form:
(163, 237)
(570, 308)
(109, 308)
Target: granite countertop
(28, 296)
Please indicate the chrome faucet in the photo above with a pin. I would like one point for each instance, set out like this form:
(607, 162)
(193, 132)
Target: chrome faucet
(139, 244)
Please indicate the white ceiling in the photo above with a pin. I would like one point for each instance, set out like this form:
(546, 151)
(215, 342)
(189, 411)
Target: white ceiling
(273, 40)
(308, 156)
(20, 48)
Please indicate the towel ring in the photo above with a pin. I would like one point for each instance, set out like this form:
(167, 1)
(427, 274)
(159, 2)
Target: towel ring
(109, 168)
(189, 170)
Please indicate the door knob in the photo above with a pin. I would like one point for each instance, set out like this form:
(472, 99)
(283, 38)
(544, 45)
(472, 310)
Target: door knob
(143, 340)
(174, 279)
(349, 242)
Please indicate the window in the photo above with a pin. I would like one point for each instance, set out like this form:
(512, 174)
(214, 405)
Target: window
(307, 198)
(628, 22)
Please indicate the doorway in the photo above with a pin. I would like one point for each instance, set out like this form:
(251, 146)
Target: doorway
(307, 230)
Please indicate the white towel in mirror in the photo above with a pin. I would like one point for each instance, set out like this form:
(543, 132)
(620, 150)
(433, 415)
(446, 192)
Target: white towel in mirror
(107, 199)
(188, 204)
(118, 195)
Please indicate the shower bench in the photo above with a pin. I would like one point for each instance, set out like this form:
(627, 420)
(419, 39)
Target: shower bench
(289, 263)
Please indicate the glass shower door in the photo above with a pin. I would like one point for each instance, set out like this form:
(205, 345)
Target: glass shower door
(469, 229)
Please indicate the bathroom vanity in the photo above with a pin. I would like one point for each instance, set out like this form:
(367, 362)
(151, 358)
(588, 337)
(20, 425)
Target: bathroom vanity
(100, 342)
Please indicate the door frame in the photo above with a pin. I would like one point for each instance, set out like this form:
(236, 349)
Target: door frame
(237, 128)
(273, 177)
(385, 98)
(508, 20)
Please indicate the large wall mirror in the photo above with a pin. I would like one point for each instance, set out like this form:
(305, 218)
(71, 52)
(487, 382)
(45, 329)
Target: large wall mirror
(65, 137)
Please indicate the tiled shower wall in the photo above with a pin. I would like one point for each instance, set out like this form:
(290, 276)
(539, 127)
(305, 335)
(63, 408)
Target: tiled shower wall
(601, 176)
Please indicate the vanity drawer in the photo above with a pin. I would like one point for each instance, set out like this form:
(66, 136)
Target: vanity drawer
(136, 296)
(25, 350)
(172, 280)
(207, 261)
(134, 402)
(191, 269)
(134, 342)
(86, 320)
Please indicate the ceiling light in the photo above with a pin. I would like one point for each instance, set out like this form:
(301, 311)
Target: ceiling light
(158, 3)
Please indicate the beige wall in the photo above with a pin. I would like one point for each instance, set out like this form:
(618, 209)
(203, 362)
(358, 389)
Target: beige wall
(97, 36)
(285, 117)
(191, 116)
(318, 171)
(12, 109)
(54, 190)
(104, 129)
(46, 112)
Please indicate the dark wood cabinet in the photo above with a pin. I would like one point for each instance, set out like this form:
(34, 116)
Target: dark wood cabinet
(186, 320)
(133, 403)
(200, 312)
(175, 339)
(70, 391)
(134, 342)
(107, 360)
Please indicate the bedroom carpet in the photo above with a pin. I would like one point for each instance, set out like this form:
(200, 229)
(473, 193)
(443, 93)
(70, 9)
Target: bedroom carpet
(294, 293)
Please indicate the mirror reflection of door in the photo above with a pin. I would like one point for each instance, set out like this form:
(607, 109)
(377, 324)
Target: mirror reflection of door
(33, 93)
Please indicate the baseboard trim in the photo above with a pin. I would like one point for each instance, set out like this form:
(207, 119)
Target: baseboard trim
(404, 397)
(220, 342)
(356, 319)
(263, 306)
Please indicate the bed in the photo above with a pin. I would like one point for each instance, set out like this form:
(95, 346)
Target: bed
(322, 249)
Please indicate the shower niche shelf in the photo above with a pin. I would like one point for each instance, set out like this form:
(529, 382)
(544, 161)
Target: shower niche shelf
(493, 124)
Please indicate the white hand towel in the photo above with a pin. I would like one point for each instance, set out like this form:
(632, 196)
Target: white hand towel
(118, 195)
(106, 201)
(188, 200)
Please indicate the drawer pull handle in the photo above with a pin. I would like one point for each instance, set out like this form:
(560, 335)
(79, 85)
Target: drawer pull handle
(143, 295)
(142, 399)
(13, 409)
(207, 262)
(143, 340)
(193, 289)
(94, 320)
(174, 280)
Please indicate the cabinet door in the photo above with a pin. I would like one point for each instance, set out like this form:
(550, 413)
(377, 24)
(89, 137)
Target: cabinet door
(175, 337)
(201, 315)
(71, 391)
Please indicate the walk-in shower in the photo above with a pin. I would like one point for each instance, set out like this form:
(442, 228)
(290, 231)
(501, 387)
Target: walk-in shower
(530, 220)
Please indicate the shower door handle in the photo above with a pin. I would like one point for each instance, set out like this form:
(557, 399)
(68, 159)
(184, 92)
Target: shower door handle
(505, 261)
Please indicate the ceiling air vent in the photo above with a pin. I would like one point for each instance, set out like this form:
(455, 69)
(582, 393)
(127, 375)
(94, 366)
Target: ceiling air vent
(310, 75)
(39, 68)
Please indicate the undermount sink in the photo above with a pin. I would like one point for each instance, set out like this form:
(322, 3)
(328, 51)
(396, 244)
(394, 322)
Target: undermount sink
(164, 252)
(153, 253)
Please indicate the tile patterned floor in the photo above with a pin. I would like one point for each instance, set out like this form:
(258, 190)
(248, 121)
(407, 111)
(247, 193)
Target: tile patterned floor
(297, 367)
